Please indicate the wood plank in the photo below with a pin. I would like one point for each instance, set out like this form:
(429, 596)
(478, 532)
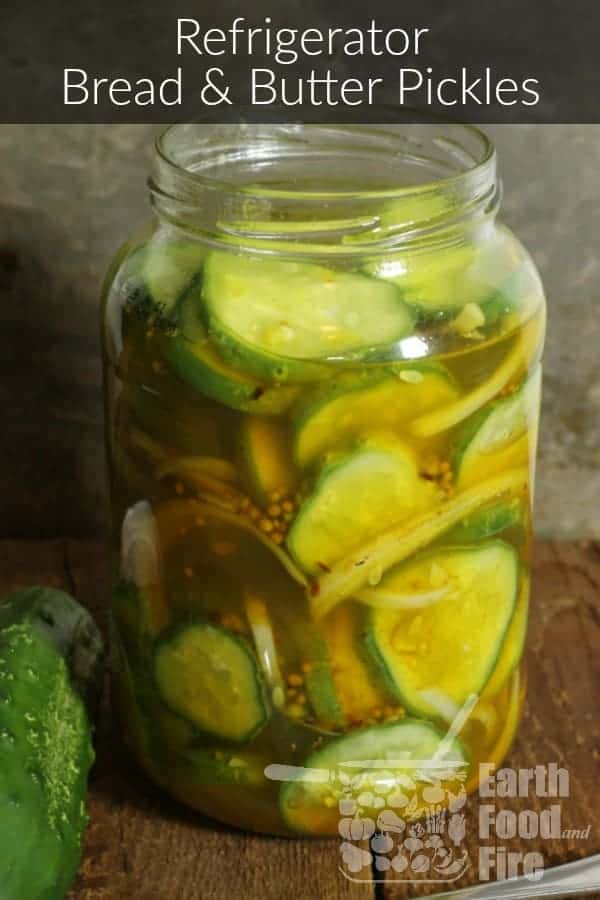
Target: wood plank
(561, 722)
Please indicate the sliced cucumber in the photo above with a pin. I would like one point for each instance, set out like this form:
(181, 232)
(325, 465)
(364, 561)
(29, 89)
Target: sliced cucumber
(353, 500)
(157, 274)
(211, 679)
(193, 357)
(435, 658)
(497, 437)
(358, 690)
(440, 282)
(435, 282)
(321, 690)
(266, 453)
(514, 642)
(365, 564)
(273, 317)
(353, 405)
(485, 523)
(383, 756)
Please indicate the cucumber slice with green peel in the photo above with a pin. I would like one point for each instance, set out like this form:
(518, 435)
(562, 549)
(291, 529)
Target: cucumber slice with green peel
(434, 282)
(487, 522)
(322, 693)
(157, 274)
(514, 643)
(267, 456)
(352, 405)
(353, 499)
(356, 682)
(436, 657)
(211, 679)
(365, 565)
(387, 756)
(192, 356)
(275, 319)
(439, 283)
(496, 438)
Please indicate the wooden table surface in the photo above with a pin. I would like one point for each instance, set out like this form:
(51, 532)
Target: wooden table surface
(141, 846)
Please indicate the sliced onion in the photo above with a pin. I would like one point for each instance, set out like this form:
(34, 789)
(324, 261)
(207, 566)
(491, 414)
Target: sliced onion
(262, 631)
(443, 705)
(140, 543)
(382, 599)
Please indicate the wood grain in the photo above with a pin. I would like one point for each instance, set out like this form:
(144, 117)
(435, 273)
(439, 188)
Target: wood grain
(142, 846)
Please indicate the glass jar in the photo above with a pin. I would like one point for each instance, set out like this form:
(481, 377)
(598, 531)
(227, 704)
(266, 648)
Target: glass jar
(322, 380)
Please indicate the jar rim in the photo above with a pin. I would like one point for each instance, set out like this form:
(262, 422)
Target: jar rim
(315, 185)
(486, 157)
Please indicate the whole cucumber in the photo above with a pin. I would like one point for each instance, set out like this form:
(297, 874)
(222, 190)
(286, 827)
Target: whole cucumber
(51, 657)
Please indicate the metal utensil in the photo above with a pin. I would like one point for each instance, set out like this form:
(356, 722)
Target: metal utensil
(574, 879)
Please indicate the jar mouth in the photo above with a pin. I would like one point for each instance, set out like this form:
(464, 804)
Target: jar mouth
(281, 178)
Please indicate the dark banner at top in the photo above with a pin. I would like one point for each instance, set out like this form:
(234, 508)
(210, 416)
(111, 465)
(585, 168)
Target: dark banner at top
(476, 60)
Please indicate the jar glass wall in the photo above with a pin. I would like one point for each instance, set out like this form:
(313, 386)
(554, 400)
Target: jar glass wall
(322, 370)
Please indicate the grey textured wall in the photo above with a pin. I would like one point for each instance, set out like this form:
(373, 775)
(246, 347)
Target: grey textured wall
(70, 194)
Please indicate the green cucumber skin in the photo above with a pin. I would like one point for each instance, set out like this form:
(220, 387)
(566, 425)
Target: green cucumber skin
(261, 693)
(262, 365)
(333, 747)
(355, 382)
(494, 307)
(270, 367)
(322, 695)
(244, 394)
(487, 523)
(45, 740)
(209, 376)
(373, 650)
(155, 277)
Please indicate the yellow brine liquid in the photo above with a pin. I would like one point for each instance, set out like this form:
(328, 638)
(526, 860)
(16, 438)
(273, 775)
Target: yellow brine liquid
(321, 479)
